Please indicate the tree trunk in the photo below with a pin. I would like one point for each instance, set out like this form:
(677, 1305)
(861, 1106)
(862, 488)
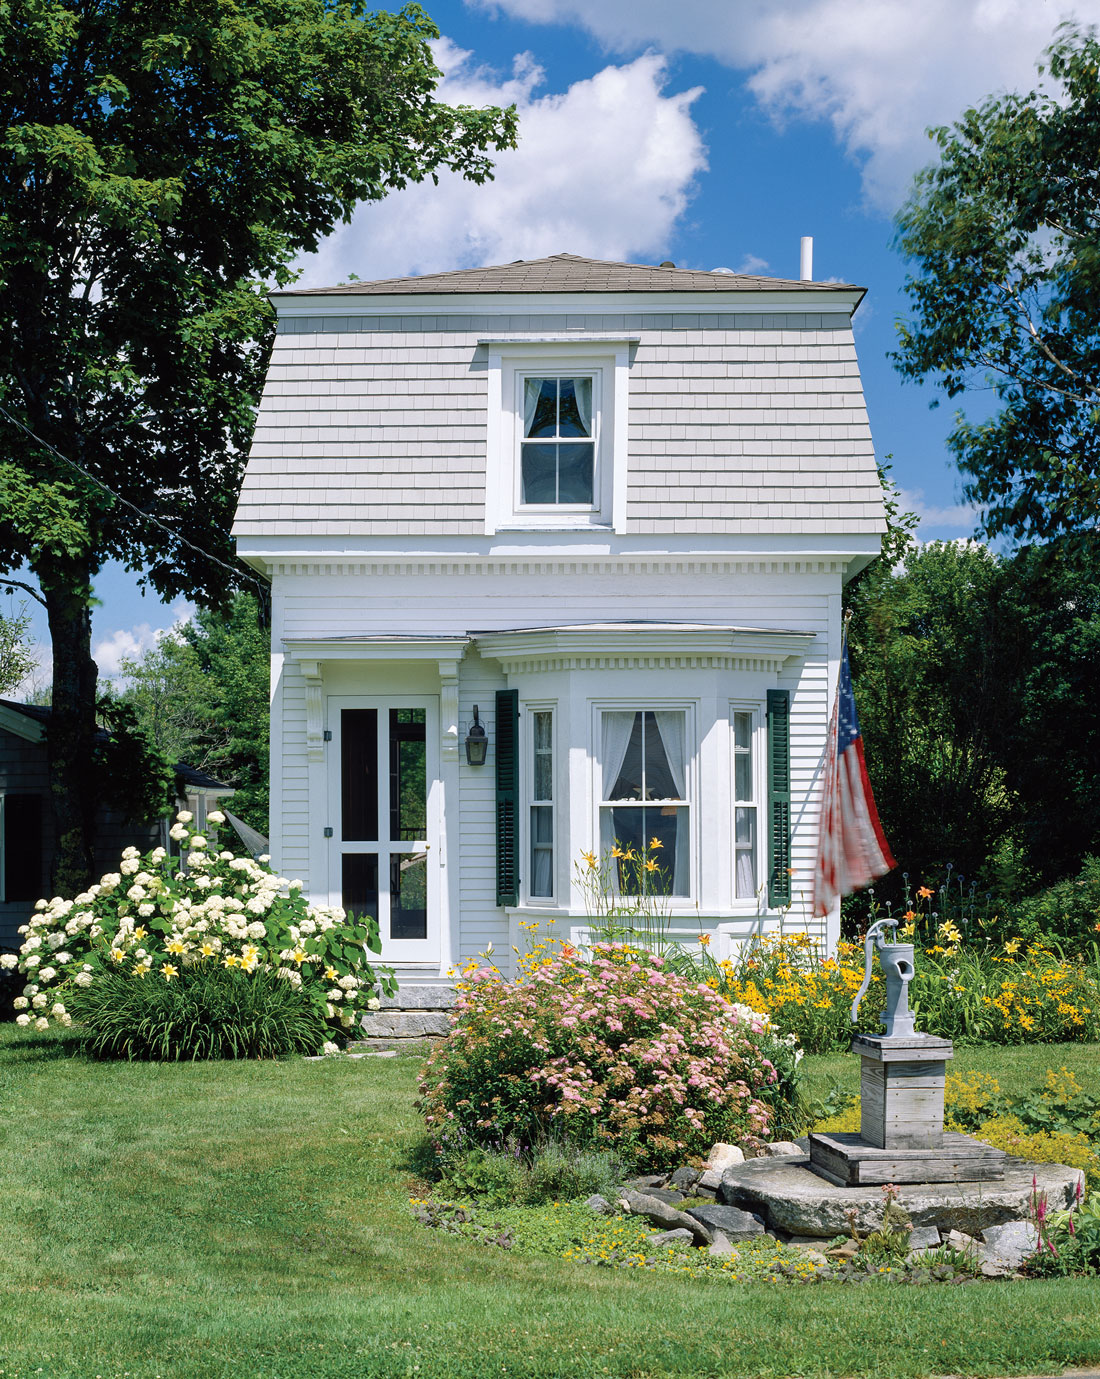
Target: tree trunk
(70, 740)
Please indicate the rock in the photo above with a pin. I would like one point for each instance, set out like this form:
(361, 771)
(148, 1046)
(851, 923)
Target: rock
(734, 1223)
(996, 1268)
(599, 1204)
(406, 1024)
(665, 1194)
(848, 1250)
(420, 997)
(723, 1156)
(664, 1238)
(685, 1178)
(661, 1214)
(803, 1242)
(644, 1181)
(815, 1256)
(780, 1149)
(1011, 1242)
(721, 1245)
(710, 1181)
(793, 1199)
(924, 1238)
(959, 1240)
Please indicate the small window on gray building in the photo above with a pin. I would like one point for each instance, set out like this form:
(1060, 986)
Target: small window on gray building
(21, 848)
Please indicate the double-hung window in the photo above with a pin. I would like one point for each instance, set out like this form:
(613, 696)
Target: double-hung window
(558, 448)
(644, 805)
(541, 818)
(745, 824)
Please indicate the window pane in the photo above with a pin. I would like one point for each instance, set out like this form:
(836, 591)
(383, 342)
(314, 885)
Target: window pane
(360, 884)
(359, 775)
(538, 478)
(540, 407)
(742, 731)
(742, 776)
(542, 850)
(408, 786)
(635, 827)
(22, 848)
(543, 730)
(575, 473)
(660, 780)
(408, 896)
(628, 783)
(744, 830)
(543, 784)
(575, 409)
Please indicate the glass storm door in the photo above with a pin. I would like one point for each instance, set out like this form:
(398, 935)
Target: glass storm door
(384, 862)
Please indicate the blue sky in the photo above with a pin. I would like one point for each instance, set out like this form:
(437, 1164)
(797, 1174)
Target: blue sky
(709, 132)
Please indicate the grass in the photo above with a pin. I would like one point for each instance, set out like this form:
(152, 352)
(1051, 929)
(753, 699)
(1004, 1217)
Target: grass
(250, 1220)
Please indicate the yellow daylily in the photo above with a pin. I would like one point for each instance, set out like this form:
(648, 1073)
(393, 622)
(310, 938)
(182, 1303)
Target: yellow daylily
(169, 971)
(655, 842)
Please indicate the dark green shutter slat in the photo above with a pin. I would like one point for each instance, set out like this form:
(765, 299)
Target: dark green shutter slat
(779, 798)
(507, 759)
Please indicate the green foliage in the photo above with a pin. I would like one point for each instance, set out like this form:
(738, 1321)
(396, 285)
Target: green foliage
(554, 1171)
(173, 162)
(974, 679)
(202, 695)
(16, 661)
(1006, 294)
(209, 1012)
(136, 778)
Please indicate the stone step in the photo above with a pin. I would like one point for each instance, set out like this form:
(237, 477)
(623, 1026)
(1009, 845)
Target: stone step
(381, 1045)
(404, 1024)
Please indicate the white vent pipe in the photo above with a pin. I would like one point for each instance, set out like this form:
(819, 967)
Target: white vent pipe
(806, 265)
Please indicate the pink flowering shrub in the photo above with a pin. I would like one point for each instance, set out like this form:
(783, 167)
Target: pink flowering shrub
(617, 1052)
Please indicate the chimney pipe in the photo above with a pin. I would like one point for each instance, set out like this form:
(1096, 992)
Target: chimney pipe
(806, 266)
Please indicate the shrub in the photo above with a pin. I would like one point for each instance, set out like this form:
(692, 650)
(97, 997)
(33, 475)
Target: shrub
(1010, 1134)
(210, 1012)
(554, 1172)
(616, 1052)
(159, 916)
(1067, 912)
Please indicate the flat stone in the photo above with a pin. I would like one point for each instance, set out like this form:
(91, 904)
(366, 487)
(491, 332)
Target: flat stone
(959, 1240)
(711, 1180)
(685, 1178)
(924, 1238)
(720, 1245)
(666, 1194)
(791, 1198)
(734, 1223)
(676, 1237)
(644, 1181)
(808, 1242)
(404, 1024)
(780, 1149)
(420, 996)
(599, 1204)
(1011, 1242)
(723, 1156)
(661, 1214)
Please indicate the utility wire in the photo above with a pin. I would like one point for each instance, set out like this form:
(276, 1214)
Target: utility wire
(146, 516)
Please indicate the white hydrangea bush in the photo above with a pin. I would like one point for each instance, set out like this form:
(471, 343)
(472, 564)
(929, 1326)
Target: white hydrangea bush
(159, 914)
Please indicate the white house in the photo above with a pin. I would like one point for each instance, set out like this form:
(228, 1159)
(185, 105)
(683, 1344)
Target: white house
(610, 505)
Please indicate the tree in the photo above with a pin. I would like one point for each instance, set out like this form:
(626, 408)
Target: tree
(16, 661)
(1006, 235)
(160, 164)
(201, 695)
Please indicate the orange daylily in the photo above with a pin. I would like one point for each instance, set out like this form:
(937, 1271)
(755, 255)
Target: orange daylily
(925, 893)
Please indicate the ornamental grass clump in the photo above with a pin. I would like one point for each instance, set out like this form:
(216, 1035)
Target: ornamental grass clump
(164, 919)
(613, 1051)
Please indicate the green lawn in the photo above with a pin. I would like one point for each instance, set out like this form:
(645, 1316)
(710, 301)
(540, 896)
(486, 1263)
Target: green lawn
(250, 1220)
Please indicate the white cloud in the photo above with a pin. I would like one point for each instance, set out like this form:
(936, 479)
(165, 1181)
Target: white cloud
(880, 72)
(604, 169)
(751, 264)
(958, 515)
(131, 643)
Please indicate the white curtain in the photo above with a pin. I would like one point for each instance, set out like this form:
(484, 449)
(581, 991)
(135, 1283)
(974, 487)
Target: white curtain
(615, 734)
(745, 841)
(670, 727)
(583, 389)
(532, 387)
(542, 856)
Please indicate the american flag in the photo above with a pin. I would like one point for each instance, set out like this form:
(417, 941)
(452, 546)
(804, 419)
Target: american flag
(853, 850)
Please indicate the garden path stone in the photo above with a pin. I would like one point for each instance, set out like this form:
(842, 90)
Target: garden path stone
(792, 1198)
(661, 1214)
(734, 1223)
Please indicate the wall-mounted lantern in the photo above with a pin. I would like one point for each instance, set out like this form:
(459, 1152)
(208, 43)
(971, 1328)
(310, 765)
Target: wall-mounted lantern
(477, 742)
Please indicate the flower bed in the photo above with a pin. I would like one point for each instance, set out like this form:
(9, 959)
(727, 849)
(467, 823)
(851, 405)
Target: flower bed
(160, 918)
(616, 1052)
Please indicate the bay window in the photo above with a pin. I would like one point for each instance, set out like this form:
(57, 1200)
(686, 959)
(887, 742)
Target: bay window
(644, 801)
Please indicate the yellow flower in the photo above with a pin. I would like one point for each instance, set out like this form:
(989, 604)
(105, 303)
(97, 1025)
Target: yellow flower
(704, 939)
(616, 851)
(208, 950)
(117, 954)
(139, 933)
(299, 955)
(331, 974)
(230, 960)
(651, 865)
(169, 971)
(140, 969)
(655, 842)
(1012, 945)
(925, 893)
(176, 946)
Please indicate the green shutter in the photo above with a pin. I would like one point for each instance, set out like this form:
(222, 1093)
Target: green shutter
(507, 759)
(779, 798)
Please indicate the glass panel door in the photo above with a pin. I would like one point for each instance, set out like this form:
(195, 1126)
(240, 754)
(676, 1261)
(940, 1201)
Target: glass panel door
(384, 863)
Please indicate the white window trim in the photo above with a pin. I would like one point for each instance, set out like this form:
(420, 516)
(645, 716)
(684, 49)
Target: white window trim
(749, 904)
(527, 790)
(677, 904)
(608, 363)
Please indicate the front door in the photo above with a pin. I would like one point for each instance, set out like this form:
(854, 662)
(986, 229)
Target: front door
(383, 861)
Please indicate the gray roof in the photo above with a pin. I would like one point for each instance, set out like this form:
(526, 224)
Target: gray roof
(572, 273)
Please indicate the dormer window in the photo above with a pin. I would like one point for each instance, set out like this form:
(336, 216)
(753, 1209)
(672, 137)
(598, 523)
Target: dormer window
(556, 444)
(558, 447)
